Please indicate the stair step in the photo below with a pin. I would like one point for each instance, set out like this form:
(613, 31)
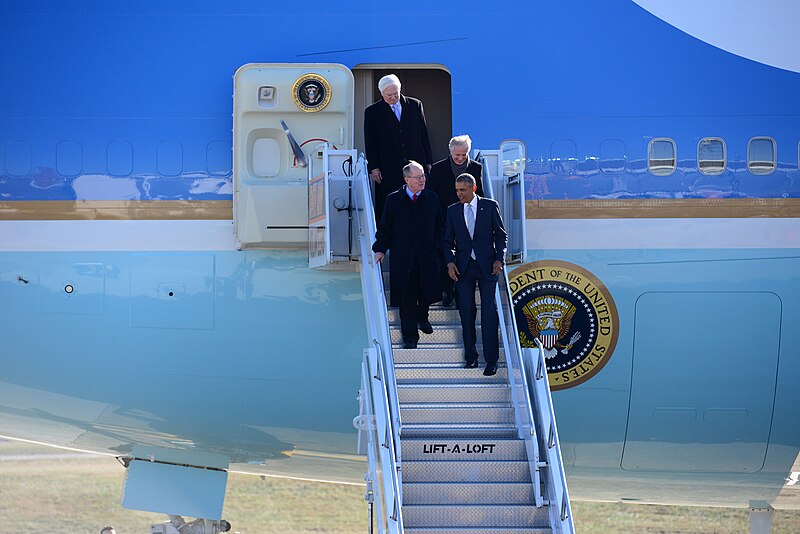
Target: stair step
(425, 343)
(431, 355)
(482, 391)
(466, 471)
(459, 493)
(386, 293)
(449, 413)
(459, 430)
(474, 515)
(476, 530)
(436, 315)
(441, 335)
(463, 449)
(430, 373)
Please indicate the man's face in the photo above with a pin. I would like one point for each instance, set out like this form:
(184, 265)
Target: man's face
(391, 94)
(416, 182)
(465, 192)
(459, 154)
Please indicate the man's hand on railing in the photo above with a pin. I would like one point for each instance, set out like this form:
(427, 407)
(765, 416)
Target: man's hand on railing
(378, 257)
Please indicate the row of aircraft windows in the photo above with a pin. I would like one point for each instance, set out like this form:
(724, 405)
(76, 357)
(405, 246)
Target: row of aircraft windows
(712, 156)
(661, 157)
(69, 158)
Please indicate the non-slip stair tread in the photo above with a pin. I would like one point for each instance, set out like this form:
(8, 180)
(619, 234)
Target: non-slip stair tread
(455, 426)
(455, 386)
(477, 530)
(468, 493)
(454, 405)
(439, 368)
(458, 431)
(472, 515)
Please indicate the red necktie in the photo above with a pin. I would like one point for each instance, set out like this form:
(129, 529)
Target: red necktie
(414, 198)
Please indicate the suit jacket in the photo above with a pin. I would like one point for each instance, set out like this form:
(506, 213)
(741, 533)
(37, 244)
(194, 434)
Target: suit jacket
(411, 232)
(489, 239)
(443, 182)
(390, 143)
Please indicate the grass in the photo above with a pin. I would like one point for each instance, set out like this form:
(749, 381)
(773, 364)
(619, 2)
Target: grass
(81, 495)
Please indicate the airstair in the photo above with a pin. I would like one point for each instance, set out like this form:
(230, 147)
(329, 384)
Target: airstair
(451, 450)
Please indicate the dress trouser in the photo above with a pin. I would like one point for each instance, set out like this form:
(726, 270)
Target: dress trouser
(413, 307)
(465, 290)
(448, 287)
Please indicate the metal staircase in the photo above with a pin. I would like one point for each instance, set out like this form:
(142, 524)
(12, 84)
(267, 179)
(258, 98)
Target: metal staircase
(451, 450)
(464, 466)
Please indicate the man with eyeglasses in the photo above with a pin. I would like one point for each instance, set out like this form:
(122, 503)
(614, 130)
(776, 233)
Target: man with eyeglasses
(412, 227)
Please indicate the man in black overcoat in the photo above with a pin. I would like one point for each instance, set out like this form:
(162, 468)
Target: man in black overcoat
(474, 230)
(442, 181)
(395, 132)
(411, 228)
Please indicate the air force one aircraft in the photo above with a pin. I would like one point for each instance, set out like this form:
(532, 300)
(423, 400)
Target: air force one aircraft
(157, 302)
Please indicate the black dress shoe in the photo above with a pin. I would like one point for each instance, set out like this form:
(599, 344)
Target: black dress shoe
(426, 327)
(447, 301)
(491, 369)
(409, 344)
(471, 364)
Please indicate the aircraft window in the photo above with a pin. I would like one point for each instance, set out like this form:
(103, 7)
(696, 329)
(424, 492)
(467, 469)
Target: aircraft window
(711, 155)
(218, 158)
(69, 158)
(612, 156)
(119, 158)
(661, 156)
(18, 158)
(563, 157)
(761, 155)
(169, 158)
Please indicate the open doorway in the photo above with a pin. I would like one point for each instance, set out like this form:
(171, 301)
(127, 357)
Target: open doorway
(429, 83)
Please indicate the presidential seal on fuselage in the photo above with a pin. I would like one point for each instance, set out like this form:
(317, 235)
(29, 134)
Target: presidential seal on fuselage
(311, 92)
(571, 312)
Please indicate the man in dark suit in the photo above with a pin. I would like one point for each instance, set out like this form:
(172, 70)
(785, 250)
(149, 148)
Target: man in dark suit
(411, 227)
(474, 230)
(395, 132)
(442, 180)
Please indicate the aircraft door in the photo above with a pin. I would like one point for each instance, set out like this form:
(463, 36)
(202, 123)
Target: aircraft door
(504, 181)
(282, 113)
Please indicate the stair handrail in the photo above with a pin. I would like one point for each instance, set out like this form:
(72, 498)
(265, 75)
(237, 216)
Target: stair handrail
(387, 412)
(520, 386)
(556, 483)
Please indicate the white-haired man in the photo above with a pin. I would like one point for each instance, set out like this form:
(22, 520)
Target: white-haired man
(395, 132)
(442, 181)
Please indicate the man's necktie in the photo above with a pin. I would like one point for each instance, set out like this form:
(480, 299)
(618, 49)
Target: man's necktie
(470, 219)
(470, 225)
(396, 108)
(414, 198)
